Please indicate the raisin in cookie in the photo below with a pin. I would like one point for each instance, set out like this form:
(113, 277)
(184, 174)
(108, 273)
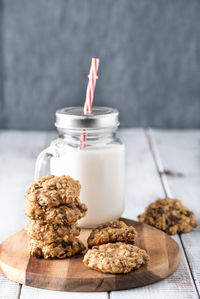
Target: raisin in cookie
(53, 191)
(115, 257)
(55, 250)
(110, 232)
(49, 232)
(169, 215)
(63, 214)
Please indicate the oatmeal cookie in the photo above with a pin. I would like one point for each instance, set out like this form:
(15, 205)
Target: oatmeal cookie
(169, 215)
(55, 250)
(49, 232)
(115, 257)
(110, 232)
(53, 191)
(63, 214)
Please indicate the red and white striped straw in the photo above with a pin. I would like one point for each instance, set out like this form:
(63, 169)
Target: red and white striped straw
(92, 77)
(82, 139)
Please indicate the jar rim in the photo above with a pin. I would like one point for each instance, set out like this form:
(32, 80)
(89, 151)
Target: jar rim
(74, 118)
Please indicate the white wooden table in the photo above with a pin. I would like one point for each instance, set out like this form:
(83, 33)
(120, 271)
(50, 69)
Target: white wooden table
(157, 163)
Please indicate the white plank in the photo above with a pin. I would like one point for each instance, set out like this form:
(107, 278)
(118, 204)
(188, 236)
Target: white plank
(180, 152)
(51, 135)
(9, 289)
(143, 187)
(142, 184)
(191, 243)
(18, 151)
(34, 293)
(17, 157)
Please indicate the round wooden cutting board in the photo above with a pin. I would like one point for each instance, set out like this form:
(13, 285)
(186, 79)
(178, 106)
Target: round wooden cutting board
(72, 275)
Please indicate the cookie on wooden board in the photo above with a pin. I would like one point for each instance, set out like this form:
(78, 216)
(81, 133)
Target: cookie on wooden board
(169, 215)
(53, 191)
(115, 257)
(49, 232)
(55, 250)
(112, 231)
(63, 214)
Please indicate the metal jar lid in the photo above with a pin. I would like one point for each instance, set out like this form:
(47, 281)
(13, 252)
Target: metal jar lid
(74, 118)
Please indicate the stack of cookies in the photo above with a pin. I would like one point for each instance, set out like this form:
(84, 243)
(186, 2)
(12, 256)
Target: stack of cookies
(112, 248)
(54, 209)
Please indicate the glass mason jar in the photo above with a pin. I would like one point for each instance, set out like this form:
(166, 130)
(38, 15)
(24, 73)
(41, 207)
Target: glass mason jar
(89, 151)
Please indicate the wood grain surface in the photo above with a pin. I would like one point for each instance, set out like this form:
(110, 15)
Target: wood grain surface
(72, 275)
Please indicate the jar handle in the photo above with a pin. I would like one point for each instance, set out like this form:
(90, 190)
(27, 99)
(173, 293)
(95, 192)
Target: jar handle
(41, 162)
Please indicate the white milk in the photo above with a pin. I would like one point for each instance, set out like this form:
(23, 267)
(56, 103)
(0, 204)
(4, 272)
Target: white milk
(101, 174)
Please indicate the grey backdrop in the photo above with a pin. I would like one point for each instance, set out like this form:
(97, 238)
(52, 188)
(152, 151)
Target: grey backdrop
(149, 68)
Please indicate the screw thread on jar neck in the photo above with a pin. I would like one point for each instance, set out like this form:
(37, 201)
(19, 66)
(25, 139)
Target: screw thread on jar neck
(92, 136)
